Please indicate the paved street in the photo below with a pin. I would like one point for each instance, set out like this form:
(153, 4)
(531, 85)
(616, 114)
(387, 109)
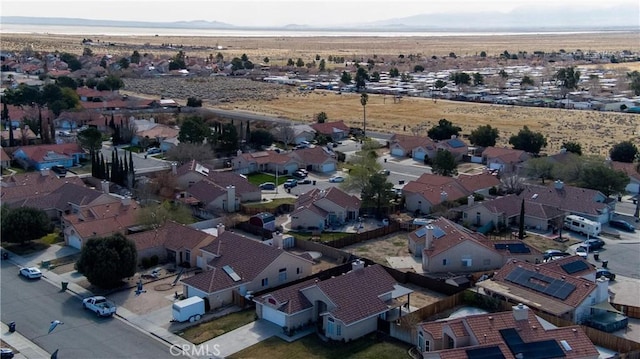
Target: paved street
(34, 304)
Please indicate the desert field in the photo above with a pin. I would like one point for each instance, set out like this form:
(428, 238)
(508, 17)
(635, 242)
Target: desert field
(595, 131)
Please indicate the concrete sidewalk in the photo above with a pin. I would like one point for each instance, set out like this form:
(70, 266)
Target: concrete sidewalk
(25, 347)
(57, 251)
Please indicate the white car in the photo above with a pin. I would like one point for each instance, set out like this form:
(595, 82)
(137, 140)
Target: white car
(582, 251)
(336, 179)
(31, 272)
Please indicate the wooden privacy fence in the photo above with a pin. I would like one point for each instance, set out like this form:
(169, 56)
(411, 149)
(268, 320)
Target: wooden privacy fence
(628, 310)
(249, 210)
(364, 236)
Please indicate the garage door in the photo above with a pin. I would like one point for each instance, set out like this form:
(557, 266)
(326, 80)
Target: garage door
(418, 155)
(291, 168)
(74, 241)
(328, 167)
(397, 152)
(273, 315)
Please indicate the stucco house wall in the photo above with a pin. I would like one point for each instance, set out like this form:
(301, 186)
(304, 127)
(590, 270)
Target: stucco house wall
(451, 260)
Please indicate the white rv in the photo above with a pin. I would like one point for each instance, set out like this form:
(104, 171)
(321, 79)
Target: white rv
(582, 225)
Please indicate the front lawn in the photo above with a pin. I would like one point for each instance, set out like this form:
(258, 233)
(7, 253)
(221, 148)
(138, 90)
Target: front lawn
(275, 203)
(312, 347)
(260, 178)
(29, 247)
(216, 327)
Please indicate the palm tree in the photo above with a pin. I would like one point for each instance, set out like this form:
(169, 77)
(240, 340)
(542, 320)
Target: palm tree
(364, 98)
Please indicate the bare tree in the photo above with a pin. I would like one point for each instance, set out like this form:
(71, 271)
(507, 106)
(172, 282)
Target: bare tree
(286, 134)
(185, 152)
(512, 184)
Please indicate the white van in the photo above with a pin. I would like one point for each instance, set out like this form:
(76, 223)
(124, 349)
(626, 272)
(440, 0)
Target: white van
(582, 225)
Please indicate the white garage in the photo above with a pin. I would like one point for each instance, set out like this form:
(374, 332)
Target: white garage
(290, 168)
(73, 240)
(397, 152)
(419, 155)
(328, 167)
(273, 315)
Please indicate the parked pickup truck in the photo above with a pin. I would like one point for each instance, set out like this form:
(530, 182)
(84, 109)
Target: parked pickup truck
(99, 305)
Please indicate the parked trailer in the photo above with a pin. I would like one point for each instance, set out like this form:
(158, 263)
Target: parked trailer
(190, 309)
(582, 225)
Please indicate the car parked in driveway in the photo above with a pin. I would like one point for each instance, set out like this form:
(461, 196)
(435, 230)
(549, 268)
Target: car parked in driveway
(290, 183)
(268, 186)
(305, 181)
(593, 244)
(582, 251)
(622, 225)
(336, 179)
(555, 253)
(31, 272)
(153, 151)
(603, 272)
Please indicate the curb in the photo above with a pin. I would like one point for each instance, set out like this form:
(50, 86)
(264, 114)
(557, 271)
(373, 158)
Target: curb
(26, 347)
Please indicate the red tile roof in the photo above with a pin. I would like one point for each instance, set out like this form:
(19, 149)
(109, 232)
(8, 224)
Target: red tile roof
(409, 142)
(473, 183)
(583, 287)
(4, 157)
(453, 235)
(485, 329)
(171, 235)
(556, 265)
(248, 258)
(290, 298)
(18, 134)
(104, 219)
(312, 156)
(630, 169)
(329, 128)
(332, 194)
(20, 187)
(266, 157)
(506, 155)
(569, 198)
(39, 153)
(222, 179)
(357, 293)
(206, 191)
(509, 205)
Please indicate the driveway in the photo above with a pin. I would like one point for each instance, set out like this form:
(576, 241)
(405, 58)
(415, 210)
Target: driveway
(241, 338)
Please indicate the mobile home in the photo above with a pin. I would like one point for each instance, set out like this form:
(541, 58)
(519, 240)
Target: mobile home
(582, 225)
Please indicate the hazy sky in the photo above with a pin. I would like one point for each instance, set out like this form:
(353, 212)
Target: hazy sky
(272, 12)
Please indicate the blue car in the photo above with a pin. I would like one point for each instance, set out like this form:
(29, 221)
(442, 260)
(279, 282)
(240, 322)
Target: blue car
(622, 225)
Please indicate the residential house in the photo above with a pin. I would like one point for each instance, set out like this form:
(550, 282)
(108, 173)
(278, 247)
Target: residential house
(515, 334)
(335, 130)
(211, 197)
(480, 183)
(264, 161)
(583, 202)
(21, 137)
(344, 307)
(318, 159)
(575, 265)
(448, 248)
(506, 211)
(505, 160)
(456, 146)
(294, 134)
(429, 190)
(149, 132)
(417, 147)
(68, 198)
(46, 156)
(547, 290)
(92, 95)
(633, 171)
(21, 187)
(5, 159)
(235, 266)
(174, 243)
(324, 208)
(100, 220)
(192, 172)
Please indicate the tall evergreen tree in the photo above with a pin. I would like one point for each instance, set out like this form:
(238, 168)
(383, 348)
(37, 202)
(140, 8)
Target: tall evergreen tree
(52, 130)
(248, 136)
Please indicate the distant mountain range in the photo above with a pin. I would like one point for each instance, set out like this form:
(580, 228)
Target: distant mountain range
(625, 17)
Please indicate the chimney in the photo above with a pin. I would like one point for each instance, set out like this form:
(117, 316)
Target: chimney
(277, 240)
(428, 240)
(220, 229)
(174, 168)
(44, 172)
(470, 200)
(558, 185)
(520, 312)
(443, 196)
(105, 186)
(357, 265)
(453, 137)
(126, 201)
(563, 150)
(239, 153)
(231, 199)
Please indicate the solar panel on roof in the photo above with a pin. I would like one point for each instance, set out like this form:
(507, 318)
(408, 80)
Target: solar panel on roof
(513, 247)
(437, 232)
(556, 288)
(533, 350)
(456, 143)
(485, 353)
(574, 267)
(421, 232)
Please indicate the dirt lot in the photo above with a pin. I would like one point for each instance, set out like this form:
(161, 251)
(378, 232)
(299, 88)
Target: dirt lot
(393, 245)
